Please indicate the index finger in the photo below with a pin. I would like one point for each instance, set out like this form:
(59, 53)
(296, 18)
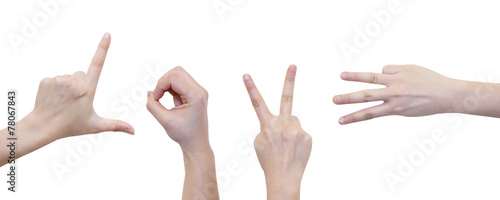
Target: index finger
(179, 81)
(257, 101)
(95, 68)
(366, 77)
(287, 95)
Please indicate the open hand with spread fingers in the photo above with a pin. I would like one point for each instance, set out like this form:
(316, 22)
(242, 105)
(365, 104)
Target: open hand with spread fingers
(410, 91)
(282, 147)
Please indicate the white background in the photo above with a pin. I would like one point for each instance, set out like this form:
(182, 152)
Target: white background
(459, 39)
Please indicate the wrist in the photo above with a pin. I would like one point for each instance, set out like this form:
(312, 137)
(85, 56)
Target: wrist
(33, 134)
(284, 186)
(36, 130)
(200, 166)
(196, 147)
(459, 91)
(200, 176)
(198, 152)
(43, 129)
(451, 101)
(198, 159)
(289, 190)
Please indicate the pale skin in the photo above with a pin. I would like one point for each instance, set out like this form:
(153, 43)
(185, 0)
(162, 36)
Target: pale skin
(282, 147)
(414, 91)
(64, 108)
(187, 124)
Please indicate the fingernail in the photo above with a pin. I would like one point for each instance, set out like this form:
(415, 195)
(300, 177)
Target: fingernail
(130, 130)
(337, 99)
(292, 69)
(342, 120)
(343, 75)
(107, 36)
(149, 94)
(246, 77)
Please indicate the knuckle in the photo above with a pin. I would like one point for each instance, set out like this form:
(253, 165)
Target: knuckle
(373, 78)
(178, 69)
(294, 119)
(294, 133)
(307, 138)
(107, 125)
(46, 81)
(387, 68)
(287, 98)
(367, 95)
(256, 103)
(405, 67)
(115, 127)
(368, 115)
(201, 95)
(79, 73)
(184, 99)
(258, 142)
(347, 98)
(97, 62)
(75, 85)
(171, 74)
(204, 93)
(167, 77)
(64, 83)
(164, 77)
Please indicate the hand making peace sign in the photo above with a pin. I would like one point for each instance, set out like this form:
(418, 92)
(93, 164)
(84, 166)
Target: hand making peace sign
(282, 147)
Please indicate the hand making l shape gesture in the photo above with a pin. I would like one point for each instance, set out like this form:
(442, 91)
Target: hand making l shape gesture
(64, 108)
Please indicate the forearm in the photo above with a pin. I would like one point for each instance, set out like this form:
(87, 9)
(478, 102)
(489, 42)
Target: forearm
(31, 135)
(283, 185)
(200, 180)
(477, 98)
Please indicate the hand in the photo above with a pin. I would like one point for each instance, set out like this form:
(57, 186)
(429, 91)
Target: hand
(66, 102)
(411, 91)
(187, 122)
(282, 147)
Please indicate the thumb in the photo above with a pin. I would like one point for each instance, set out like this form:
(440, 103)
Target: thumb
(115, 125)
(156, 109)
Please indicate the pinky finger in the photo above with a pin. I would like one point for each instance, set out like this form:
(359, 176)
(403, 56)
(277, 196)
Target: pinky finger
(366, 114)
